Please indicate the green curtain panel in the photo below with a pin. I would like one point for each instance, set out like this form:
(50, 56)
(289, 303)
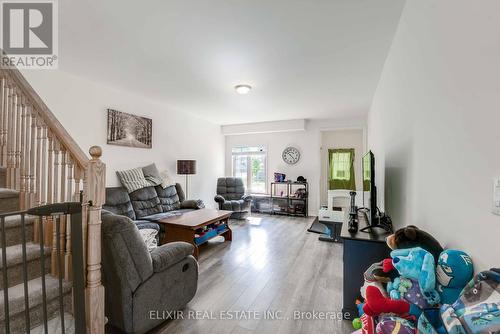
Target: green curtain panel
(341, 171)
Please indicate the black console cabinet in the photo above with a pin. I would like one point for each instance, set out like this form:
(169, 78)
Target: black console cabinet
(361, 250)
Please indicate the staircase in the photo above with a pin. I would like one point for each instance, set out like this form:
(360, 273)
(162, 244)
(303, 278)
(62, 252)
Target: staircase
(9, 198)
(9, 201)
(41, 166)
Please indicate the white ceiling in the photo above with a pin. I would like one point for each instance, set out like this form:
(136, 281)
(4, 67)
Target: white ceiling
(304, 58)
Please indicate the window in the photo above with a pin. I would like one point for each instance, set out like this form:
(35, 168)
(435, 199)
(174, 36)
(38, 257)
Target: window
(249, 163)
(341, 175)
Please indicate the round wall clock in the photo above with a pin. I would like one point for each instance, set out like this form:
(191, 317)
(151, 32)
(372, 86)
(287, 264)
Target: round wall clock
(291, 155)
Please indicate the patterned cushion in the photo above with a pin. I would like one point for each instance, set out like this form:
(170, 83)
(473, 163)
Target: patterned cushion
(133, 179)
(166, 180)
(152, 174)
(149, 237)
(169, 199)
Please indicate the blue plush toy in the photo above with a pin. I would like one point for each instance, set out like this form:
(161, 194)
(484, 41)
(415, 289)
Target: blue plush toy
(409, 290)
(453, 272)
(418, 264)
(477, 309)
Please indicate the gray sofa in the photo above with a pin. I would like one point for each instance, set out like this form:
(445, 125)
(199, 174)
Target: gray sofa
(231, 196)
(140, 285)
(150, 204)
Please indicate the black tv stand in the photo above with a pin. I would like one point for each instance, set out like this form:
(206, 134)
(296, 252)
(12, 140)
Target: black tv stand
(369, 229)
(335, 228)
(380, 220)
(360, 251)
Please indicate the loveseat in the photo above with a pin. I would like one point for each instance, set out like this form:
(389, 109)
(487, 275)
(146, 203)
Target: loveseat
(148, 205)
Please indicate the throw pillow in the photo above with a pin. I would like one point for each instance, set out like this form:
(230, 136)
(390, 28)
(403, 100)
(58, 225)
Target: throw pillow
(149, 237)
(166, 180)
(133, 179)
(152, 174)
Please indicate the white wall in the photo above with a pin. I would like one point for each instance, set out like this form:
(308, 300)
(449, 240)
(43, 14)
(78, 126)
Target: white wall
(434, 123)
(80, 105)
(340, 139)
(309, 144)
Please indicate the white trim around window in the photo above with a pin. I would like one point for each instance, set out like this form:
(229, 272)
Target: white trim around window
(239, 153)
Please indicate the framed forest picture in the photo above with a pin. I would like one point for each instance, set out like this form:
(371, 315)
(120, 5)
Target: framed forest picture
(129, 130)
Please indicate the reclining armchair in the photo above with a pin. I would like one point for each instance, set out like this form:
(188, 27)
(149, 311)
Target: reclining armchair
(138, 283)
(231, 196)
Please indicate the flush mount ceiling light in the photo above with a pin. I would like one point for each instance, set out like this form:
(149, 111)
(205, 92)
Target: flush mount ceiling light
(242, 89)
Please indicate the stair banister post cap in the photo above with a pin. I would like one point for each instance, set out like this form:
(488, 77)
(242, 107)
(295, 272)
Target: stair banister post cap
(95, 152)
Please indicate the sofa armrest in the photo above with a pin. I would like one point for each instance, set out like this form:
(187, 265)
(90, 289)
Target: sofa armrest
(219, 199)
(169, 254)
(192, 204)
(247, 198)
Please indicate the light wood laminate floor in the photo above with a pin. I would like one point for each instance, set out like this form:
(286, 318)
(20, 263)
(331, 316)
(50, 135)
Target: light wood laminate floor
(273, 264)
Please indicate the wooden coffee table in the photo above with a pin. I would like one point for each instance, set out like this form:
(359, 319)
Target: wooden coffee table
(183, 227)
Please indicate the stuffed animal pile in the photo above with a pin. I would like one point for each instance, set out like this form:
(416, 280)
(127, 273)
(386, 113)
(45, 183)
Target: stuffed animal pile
(424, 289)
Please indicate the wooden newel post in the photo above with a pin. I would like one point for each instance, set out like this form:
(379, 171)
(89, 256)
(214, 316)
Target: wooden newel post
(94, 195)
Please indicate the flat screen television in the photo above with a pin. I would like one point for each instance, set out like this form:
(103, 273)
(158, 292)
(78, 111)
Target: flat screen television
(369, 189)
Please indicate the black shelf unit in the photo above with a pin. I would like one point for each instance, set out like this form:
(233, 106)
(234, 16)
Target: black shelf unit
(261, 203)
(294, 206)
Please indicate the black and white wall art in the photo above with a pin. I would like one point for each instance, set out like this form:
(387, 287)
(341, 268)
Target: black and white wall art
(129, 130)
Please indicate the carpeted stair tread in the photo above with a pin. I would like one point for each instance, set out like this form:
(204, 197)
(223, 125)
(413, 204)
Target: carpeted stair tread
(16, 294)
(9, 200)
(8, 193)
(15, 221)
(13, 229)
(54, 325)
(15, 255)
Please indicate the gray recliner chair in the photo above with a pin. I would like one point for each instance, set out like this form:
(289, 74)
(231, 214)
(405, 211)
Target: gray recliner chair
(138, 283)
(231, 196)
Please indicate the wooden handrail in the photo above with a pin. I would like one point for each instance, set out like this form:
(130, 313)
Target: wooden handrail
(50, 120)
(94, 198)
